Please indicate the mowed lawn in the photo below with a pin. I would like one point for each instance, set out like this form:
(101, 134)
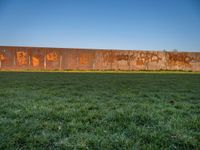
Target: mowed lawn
(99, 110)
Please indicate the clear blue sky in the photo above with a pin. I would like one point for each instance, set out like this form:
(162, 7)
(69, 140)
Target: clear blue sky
(117, 24)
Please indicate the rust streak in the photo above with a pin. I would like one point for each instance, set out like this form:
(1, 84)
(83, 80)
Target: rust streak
(2, 57)
(52, 56)
(35, 61)
(21, 58)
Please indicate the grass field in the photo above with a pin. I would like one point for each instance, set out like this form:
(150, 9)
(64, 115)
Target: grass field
(99, 110)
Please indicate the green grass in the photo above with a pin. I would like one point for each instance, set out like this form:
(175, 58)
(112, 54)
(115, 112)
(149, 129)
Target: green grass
(99, 110)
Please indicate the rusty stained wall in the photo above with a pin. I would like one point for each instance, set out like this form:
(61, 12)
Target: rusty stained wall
(37, 58)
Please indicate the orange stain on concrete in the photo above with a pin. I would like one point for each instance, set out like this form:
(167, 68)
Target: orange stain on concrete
(52, 56)
(146, 57)
(179, 59)
(122, 57)
(2, 57)
(84, 59)
(21, 58)
(35, 61)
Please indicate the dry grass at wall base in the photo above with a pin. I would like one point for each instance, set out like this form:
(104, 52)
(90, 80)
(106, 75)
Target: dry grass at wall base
(40, 110)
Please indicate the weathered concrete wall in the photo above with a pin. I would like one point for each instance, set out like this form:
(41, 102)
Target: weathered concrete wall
(12, 58)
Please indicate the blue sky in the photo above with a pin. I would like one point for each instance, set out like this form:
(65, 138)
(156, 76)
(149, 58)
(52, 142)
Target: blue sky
(113, 24)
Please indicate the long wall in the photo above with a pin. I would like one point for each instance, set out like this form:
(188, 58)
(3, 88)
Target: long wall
(37, 58)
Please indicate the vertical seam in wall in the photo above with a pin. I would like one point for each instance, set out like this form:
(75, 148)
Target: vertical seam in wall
(29, 59)
(129, 61)
(14, 63)
(111, 60)
(45, 65)
(60, 62)
(77, 60)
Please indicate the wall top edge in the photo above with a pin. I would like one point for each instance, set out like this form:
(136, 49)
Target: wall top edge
(95, 49)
